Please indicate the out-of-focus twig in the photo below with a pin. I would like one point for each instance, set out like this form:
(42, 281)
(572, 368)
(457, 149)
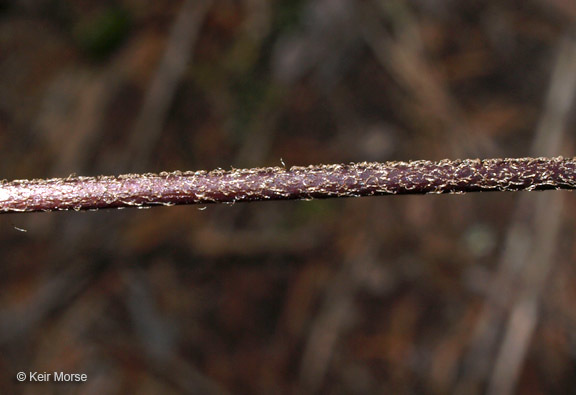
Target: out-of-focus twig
(514, 297)
(148, 125)
(524, 314)
(336, 312)
(402, 55)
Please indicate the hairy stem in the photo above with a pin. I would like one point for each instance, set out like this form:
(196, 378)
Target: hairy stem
(276, 183)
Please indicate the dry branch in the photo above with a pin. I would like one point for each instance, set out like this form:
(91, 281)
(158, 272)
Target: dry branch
(277, 183)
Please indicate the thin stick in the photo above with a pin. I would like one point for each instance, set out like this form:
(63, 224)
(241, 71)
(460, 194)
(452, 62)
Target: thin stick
(277, 183)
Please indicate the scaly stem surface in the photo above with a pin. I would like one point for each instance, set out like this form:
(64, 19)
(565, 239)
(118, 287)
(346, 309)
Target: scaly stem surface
(277, 183)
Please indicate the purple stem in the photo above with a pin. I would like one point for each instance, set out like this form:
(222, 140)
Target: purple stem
(276, 183)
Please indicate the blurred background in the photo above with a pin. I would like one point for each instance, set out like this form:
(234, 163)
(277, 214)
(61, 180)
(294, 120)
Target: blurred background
(464, 294)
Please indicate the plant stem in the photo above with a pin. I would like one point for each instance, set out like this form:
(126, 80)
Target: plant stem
(276, 183)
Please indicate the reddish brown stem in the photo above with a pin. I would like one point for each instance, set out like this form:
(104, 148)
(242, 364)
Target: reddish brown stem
(275, 183)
